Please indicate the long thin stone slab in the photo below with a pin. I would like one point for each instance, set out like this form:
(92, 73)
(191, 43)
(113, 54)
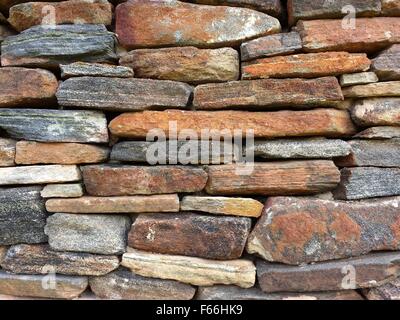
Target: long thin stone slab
(80, 69)
(379, 89)
(379, 133)
(66, 190)
(376, 112)
(54, 125)
(196, 271)
(122, 94)
(352, 79)
(271, 7)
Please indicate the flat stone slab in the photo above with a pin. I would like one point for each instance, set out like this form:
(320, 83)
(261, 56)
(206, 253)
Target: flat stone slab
(80, 69)
(132, 204)
(122, 94)
(304, 230)
(245, 207)
(379, 133)
(273, 178)
(7, 152)
(102, 234)
(377, 112)
(54, 125)
(387, 64)
(200, 26)
(271, 7)
(191, 270)
(368, 182)
(379, 89)
(66, 43)
(352, 79)
(66, 190)
(391, 7)
(190, 234)
(363, 272)
(388, 291)
(22, 216)
(126, 285)
(116, 180)
(38, 259)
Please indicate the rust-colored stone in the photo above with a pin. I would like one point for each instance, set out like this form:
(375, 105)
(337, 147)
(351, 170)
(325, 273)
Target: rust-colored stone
(391, 7)
(272, 7)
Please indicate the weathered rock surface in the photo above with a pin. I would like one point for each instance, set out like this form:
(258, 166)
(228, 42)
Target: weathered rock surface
(22, 216)
(26, 15)
(221, 292)
(369, 34)
(30, 152)
(39, 286)
(363, 272)
(313, 148)
(245, 207)
(49, 47)
(187, 64)
(125, 285)
(22, 87)
(379, 133)
(353, 79)
(389, 291)
(368, 182)
(391, 7)
(272, 93)
(113, 180)
(122, 94)
(190, 234)
(274, 178)
(387, 64)
(304, 230)
(68, 190)
(5, 32)
(377, 112)
(102, 234)
(39, 174)
(310, 65)
(133, 204)
(196, 271)
(271, 7)
(319, 122)
(374, 153)
(7, 152)
(322, 9)
(3, 251)
(272, 45)
(38, 259)
(54, 125)
(379, 89)
(79, 69)
(200, 26)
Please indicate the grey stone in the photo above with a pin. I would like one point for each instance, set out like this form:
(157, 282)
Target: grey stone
(387, 64)
(384, 132)
(68, 190)
(79, 69)
(389, 291)
(352, 79)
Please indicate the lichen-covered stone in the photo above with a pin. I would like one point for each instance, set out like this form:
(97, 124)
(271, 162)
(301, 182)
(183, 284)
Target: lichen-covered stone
(379, 89)
(80, 69)
(353, 79)
(7, 152)
(387, 64)
(67, 190)
(377, 112)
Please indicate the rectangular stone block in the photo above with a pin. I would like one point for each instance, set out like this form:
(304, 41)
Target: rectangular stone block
(67, 190)
(271, 7)
(379, 89)
(377, 112)
(80, 69)
(387, 64)
(353, 79)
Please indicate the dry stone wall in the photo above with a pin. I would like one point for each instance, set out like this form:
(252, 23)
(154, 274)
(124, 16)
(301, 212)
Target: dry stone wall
(205, 149)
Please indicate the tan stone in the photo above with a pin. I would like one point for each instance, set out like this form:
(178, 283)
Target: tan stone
(379, 89)
(68, 190)
(352, 79)
(377, 112)
(7, 152)
(391, 7)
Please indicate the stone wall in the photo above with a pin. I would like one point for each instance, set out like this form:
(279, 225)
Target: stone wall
(91, 206)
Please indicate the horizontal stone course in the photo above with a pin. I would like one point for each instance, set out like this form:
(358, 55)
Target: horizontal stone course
(79, 69)
(66, 190)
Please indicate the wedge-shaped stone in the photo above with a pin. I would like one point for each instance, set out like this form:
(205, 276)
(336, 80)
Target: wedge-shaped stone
(48, 47)
(377, 112)
(22, 87)
(125, 285)
(190, 234)
(67, 190)
(303, 230)
(245, 207)
(379, 89)
(118, 94)
(138, 24)
(113, 180)
(368, 182)
(363, 272)
(221, 292)
(102, 234)
(368, 35)
(7, 152)
(353, 79)
(389, 291)
(391, 7)
(22, 216)
(387, 64)
(379, 133)
(39, 174)
(273, 178)
(322, 9)
(309, 65)
(187, 64)
(36, 259)
(374, 153)
(313, 148)
(270, 93)
(80, 69)
(319, 122)
(54, 125)
(272, 7)
(65, 287)
(272, 45)
(134, 204)
(26, 15)
(29, 152)
(196, 271)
